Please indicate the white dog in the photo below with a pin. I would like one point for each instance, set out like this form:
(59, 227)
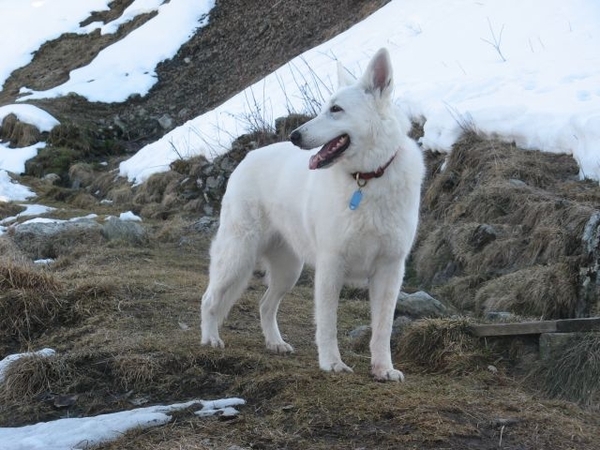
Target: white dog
(349, 209)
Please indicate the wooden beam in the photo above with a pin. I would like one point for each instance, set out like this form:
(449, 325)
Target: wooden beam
(513, 329)
(539, 327)
(576, 325)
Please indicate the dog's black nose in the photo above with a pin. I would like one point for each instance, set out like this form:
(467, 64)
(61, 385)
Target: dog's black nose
(296, 137)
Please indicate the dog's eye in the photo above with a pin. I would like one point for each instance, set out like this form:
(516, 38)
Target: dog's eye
(335, 108)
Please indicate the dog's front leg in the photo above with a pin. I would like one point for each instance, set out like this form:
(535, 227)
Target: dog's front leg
(384, 288)
(329, 278)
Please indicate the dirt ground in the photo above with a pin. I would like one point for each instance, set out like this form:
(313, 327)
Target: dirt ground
(126, 334)
(124, 318)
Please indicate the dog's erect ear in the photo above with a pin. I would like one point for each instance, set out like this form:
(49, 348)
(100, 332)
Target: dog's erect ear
(378, 76)
(344, 77)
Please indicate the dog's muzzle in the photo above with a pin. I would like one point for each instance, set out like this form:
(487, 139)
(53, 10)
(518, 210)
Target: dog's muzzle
(296, 138)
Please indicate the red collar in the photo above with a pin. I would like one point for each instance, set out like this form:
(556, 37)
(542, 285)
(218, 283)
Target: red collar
(376, 173)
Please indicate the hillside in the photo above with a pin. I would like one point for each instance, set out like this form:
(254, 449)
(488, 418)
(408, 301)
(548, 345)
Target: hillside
(503, 231)
(243, 42)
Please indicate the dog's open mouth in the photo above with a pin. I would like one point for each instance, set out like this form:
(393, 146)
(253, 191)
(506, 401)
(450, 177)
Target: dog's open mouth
(329, 153)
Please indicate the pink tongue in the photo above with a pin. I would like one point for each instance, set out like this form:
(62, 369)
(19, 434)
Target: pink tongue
(314, 161)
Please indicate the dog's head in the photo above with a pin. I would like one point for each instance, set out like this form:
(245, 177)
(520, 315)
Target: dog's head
(352, 122)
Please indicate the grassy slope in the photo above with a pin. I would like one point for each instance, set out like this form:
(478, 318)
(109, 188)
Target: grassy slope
(135, 340)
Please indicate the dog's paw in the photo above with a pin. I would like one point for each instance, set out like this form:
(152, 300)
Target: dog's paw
(336, 367)
(215, 342)
(388, 375)
(280, 347)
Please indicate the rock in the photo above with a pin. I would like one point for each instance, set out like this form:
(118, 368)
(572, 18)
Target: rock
(120, 124)
(451, 270)
(183, 113)
(125, 230)
(50, 239)
(206, 224)
(517, 183)
(499, 316)
(482, 236)
(400, 325)
(589, 276)
(166, 122)
(359, 338)
(285, 125)
(420, 305)
(51, 178)
(359, 332)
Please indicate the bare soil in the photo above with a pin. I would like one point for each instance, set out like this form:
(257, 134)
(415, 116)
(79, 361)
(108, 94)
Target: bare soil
(124, 321)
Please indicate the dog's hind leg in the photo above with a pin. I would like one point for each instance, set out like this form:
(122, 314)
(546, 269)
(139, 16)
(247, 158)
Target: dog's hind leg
(384, 288)
(233, 258)
(283, 268)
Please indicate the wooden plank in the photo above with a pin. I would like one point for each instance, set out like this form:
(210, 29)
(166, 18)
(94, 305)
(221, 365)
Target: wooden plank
(513, 329)
(577, 325)
(539, 327)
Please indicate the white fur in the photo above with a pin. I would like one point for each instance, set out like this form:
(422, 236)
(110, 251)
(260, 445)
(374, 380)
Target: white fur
(278, 211)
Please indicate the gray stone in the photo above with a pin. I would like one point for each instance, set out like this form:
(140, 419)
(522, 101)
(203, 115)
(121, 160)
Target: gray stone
(517, 183)
(166, 122)
(589, 276)
(125, 230)
(42, 240)
(214, 182)
(420, 305)
(499, 316)
(51, 229)
(483, 235)
(400, 325)
(206, 224)
(359, 332)
(51, 178)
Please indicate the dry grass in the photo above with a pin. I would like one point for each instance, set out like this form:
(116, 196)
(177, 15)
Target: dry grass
(28, 301)
(135, 341)
(19, 134)
(571, 372)
(443, 346)
(535, 212)
(8, 209)
(540, 291)
(11, 255)
(124, 321)
(31, 376)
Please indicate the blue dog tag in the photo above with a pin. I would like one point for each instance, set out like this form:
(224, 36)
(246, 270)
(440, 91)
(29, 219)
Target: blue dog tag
(355, 200)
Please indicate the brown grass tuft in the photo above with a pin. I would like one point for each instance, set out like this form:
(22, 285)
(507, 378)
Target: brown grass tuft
(442, 346)
(33, 375)
(546, 292)
(157, 187)
(11, 255)
(572, 372)
(24, 313)
(136, 371)
(24, 277)
(19, 134)
(33, 301)
(498, 216)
